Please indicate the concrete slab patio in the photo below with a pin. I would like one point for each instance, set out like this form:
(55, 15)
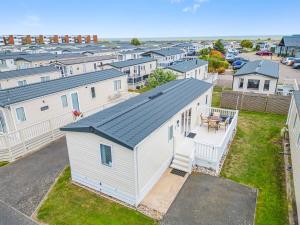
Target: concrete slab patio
(207, 200)
(164, 192)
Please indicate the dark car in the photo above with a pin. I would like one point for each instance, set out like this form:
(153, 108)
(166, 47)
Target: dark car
(264, 53)
(296, 66)
(237, 59)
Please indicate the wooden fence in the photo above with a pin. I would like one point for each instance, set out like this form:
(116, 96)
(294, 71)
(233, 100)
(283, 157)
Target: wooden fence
(255, 102)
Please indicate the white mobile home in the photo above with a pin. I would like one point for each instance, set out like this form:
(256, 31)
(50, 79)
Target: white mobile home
(165, 56)
(194, 68)
(124, 150)
(260, 76)
(84, 64)
(130, 54)
(14, 78)
(138, 70)
(293, 123)
(21, 107)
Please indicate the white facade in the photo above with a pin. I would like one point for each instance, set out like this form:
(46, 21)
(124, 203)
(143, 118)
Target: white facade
(200, 73)
(29, 79)
(51, 106)
(132, 173)
(164, 61)
(255, 83)
(293, 123)
(7, 64)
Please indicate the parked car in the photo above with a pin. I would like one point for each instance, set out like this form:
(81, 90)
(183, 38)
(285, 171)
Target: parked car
(292, 62)
(238, 64)
(289, 61)
(236, 59)
(264, 53)
(284, 60)
(230, 57)
(296, 66)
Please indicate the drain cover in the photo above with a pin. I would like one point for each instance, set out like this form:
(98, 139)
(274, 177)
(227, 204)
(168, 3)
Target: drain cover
(178, 172)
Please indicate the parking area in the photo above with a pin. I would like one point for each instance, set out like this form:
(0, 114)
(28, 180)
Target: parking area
(207, 200)
(24, 183)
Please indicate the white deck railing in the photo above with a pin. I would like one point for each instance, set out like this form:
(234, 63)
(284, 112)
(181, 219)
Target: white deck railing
(209, 155)
(18, 143)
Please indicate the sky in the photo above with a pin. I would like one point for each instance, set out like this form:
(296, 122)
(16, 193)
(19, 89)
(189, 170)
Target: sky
(151, 18)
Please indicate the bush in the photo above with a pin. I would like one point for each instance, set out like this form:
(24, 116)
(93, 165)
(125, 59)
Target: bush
(135, 41)
(246, 44)
(159, 77)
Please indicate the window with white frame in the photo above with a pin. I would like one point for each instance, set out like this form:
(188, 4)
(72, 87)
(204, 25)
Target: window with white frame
(298, 140)
(170, 133)
(117, 85)
(21, 117)
(253, 84)
(267, 85)
(45, 78)
(295, 120)
(22, 82)
(64, 101)
(106, 156)
(93, 92)
(206, 99)
(241, 82)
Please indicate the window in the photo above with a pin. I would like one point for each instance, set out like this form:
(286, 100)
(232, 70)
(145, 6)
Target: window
(95, 66)
(21, 114)
(93, 93)
(170, 133)
(253, 84)
(182, 122)
(206, 99)
(22, 82)
(298, 141)
(46, 78)
(106, 158)
(295, 120)
(2, 123)
(64, 101)
(75, 101)
(241, 83)
(117, 85)
(267, 85)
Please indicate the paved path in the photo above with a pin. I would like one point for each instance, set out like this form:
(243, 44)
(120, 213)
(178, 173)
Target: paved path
(24, 183)
(207, 200)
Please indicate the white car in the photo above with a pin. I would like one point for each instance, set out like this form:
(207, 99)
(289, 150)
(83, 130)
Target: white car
(289, 61)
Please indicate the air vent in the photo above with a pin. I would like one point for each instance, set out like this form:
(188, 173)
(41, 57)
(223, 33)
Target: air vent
(155, 96)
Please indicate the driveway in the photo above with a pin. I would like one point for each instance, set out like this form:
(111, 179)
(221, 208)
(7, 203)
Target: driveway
(24, 183)
(207, 200)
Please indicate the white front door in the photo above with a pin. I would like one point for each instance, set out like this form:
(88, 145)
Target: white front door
(186, 119)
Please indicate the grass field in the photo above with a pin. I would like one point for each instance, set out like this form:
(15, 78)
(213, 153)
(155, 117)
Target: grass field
(68, 204)
(255, 160)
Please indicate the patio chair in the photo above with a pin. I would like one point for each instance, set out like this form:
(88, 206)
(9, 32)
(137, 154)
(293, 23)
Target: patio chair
(204, 119)
(224, 123)
(213, 124)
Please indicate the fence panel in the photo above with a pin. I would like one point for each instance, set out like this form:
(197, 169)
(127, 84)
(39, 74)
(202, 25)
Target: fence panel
(255, 102)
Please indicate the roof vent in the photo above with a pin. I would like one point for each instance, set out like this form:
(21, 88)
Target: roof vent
(155, 95)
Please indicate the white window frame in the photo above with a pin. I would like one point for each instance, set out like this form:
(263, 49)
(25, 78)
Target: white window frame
(21, 121)
(169, 133)
(46, 78)
(66, 106)
(111, 151)
(72, 101)
(93, 97)
(24, 82)
(116, 86)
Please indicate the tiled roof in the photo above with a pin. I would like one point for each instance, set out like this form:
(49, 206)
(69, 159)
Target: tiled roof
(187, 65)
(23, 93)
(131, 62)
(27, 72)
(261, 67)
(130, 122)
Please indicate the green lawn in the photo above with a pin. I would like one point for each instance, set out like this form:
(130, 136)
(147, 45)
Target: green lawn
(3, 163)
(254, 160)
(68, 204)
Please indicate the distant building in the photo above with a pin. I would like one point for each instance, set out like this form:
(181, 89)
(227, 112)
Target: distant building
(194, 68)
(165, 56)
(289, 46)
(138, 70)
(258, 76)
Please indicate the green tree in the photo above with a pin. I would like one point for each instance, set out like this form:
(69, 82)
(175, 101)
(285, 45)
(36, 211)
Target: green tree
(204, 52)
(219, 46)
(246, 44)
(135, 41)
(257, 47)
(159, 77)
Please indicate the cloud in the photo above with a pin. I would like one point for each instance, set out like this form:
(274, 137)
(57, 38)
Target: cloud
(32, 21)
(194, 7)
(176, 1)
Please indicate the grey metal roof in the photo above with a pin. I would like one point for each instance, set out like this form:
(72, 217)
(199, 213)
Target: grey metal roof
(262, 67)
(131, 62)
(165, 51)
(27, 72)
(12, 55)
(290, 41)
(30, 91)
(84, 59)
(47, 56)
(187, 65)
(130, 122)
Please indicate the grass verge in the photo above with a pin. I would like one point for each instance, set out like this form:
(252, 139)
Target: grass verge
(3, 163)
(255, 160)
(70, 204)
